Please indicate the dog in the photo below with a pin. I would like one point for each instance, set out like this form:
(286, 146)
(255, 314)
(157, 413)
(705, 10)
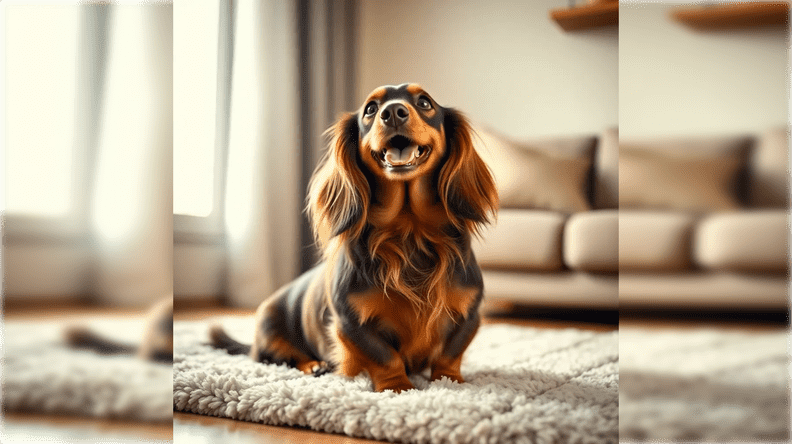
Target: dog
(157, 338)
(393, 205)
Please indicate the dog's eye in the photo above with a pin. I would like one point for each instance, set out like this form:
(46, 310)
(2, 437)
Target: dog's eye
(371, 108)
(424, 103)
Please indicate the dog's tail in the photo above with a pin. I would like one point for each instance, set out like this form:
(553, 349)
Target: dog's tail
(83, 338)
(220, 339)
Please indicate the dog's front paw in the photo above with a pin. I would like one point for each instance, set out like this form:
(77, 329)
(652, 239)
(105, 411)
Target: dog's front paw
(316, 368)
(322, 368)
(456, 377)
(398, 385)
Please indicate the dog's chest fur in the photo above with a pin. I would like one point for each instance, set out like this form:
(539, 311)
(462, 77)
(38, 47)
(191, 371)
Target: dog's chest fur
(416, 333)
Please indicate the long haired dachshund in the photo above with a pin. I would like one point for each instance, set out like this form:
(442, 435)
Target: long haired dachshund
(393, 204)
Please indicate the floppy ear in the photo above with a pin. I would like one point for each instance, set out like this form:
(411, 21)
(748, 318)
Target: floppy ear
(339, 192)
(466, 186)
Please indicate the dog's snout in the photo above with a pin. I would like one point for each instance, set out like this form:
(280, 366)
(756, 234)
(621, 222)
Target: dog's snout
(395, 115)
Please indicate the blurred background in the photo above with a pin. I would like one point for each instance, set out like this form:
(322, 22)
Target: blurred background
(703, 221)
(703, 159)
(87, 228)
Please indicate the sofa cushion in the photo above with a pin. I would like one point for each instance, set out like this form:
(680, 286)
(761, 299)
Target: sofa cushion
(544, 174)
(606, 170)
(691, 174)
(769, 175)
(522, 239)
(654, 240)
(747, 241)
(591, 241)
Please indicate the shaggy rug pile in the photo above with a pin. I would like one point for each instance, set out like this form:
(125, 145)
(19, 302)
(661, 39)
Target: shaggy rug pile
(703, 385)
(523, 385)
(40, 374)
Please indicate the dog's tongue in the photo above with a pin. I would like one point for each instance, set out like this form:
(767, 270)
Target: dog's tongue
(395, 156)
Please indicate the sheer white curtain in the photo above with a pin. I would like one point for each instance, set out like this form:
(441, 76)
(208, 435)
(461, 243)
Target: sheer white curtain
(132, 204)
(263, 190)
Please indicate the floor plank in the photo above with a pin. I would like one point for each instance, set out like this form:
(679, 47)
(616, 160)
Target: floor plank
(55, 428)
(191, 428)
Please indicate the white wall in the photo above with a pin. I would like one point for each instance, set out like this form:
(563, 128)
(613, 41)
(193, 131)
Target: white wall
(505, 63)
(676, 81)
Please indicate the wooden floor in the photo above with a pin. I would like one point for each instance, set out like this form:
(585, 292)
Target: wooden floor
(190, 428)
(36, 427)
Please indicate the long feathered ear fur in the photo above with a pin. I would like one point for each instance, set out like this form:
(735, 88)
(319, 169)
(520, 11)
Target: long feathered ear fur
(339, 192)
(466, 187)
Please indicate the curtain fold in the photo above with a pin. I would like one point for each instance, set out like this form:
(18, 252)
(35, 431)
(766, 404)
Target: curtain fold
(132, 197)
(263, 196)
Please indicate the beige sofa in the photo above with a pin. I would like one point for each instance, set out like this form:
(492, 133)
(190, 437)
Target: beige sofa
(588, 222)
(703, 222)
(555, 243)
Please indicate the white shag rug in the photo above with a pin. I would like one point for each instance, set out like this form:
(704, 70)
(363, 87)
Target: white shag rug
(40, 374)
(524, 385)
(703, 385)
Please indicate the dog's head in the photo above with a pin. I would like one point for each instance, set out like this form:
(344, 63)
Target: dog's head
(399, 134)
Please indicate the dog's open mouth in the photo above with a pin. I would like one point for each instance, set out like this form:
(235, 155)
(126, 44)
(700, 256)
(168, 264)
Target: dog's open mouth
(402, 154)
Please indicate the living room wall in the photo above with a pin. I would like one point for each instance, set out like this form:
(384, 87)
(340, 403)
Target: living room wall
(676, 81)
(505, 63)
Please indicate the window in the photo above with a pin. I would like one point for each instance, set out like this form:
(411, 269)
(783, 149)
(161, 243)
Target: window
(40, 116)
(200, 62)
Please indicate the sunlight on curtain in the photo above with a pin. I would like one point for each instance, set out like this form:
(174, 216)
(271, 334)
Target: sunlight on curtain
(131, 97)
(40, 91)
(246, 135)
(133, 201)
(195, 41)
(263, 197)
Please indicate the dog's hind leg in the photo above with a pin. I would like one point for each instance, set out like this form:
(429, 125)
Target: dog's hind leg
(277, 350)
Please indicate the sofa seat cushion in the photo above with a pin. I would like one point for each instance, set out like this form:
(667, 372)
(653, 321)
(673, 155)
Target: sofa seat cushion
(591, 241)
(654, 240)
(522, 239)
(755, 241)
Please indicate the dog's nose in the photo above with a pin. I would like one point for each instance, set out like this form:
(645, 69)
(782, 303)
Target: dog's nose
(395, 115)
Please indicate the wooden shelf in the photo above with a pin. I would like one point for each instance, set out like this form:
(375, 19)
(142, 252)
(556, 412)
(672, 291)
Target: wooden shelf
(734, 16)
(588, 16)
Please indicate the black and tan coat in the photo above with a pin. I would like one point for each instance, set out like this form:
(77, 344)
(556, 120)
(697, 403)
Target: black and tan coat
(393, 205)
